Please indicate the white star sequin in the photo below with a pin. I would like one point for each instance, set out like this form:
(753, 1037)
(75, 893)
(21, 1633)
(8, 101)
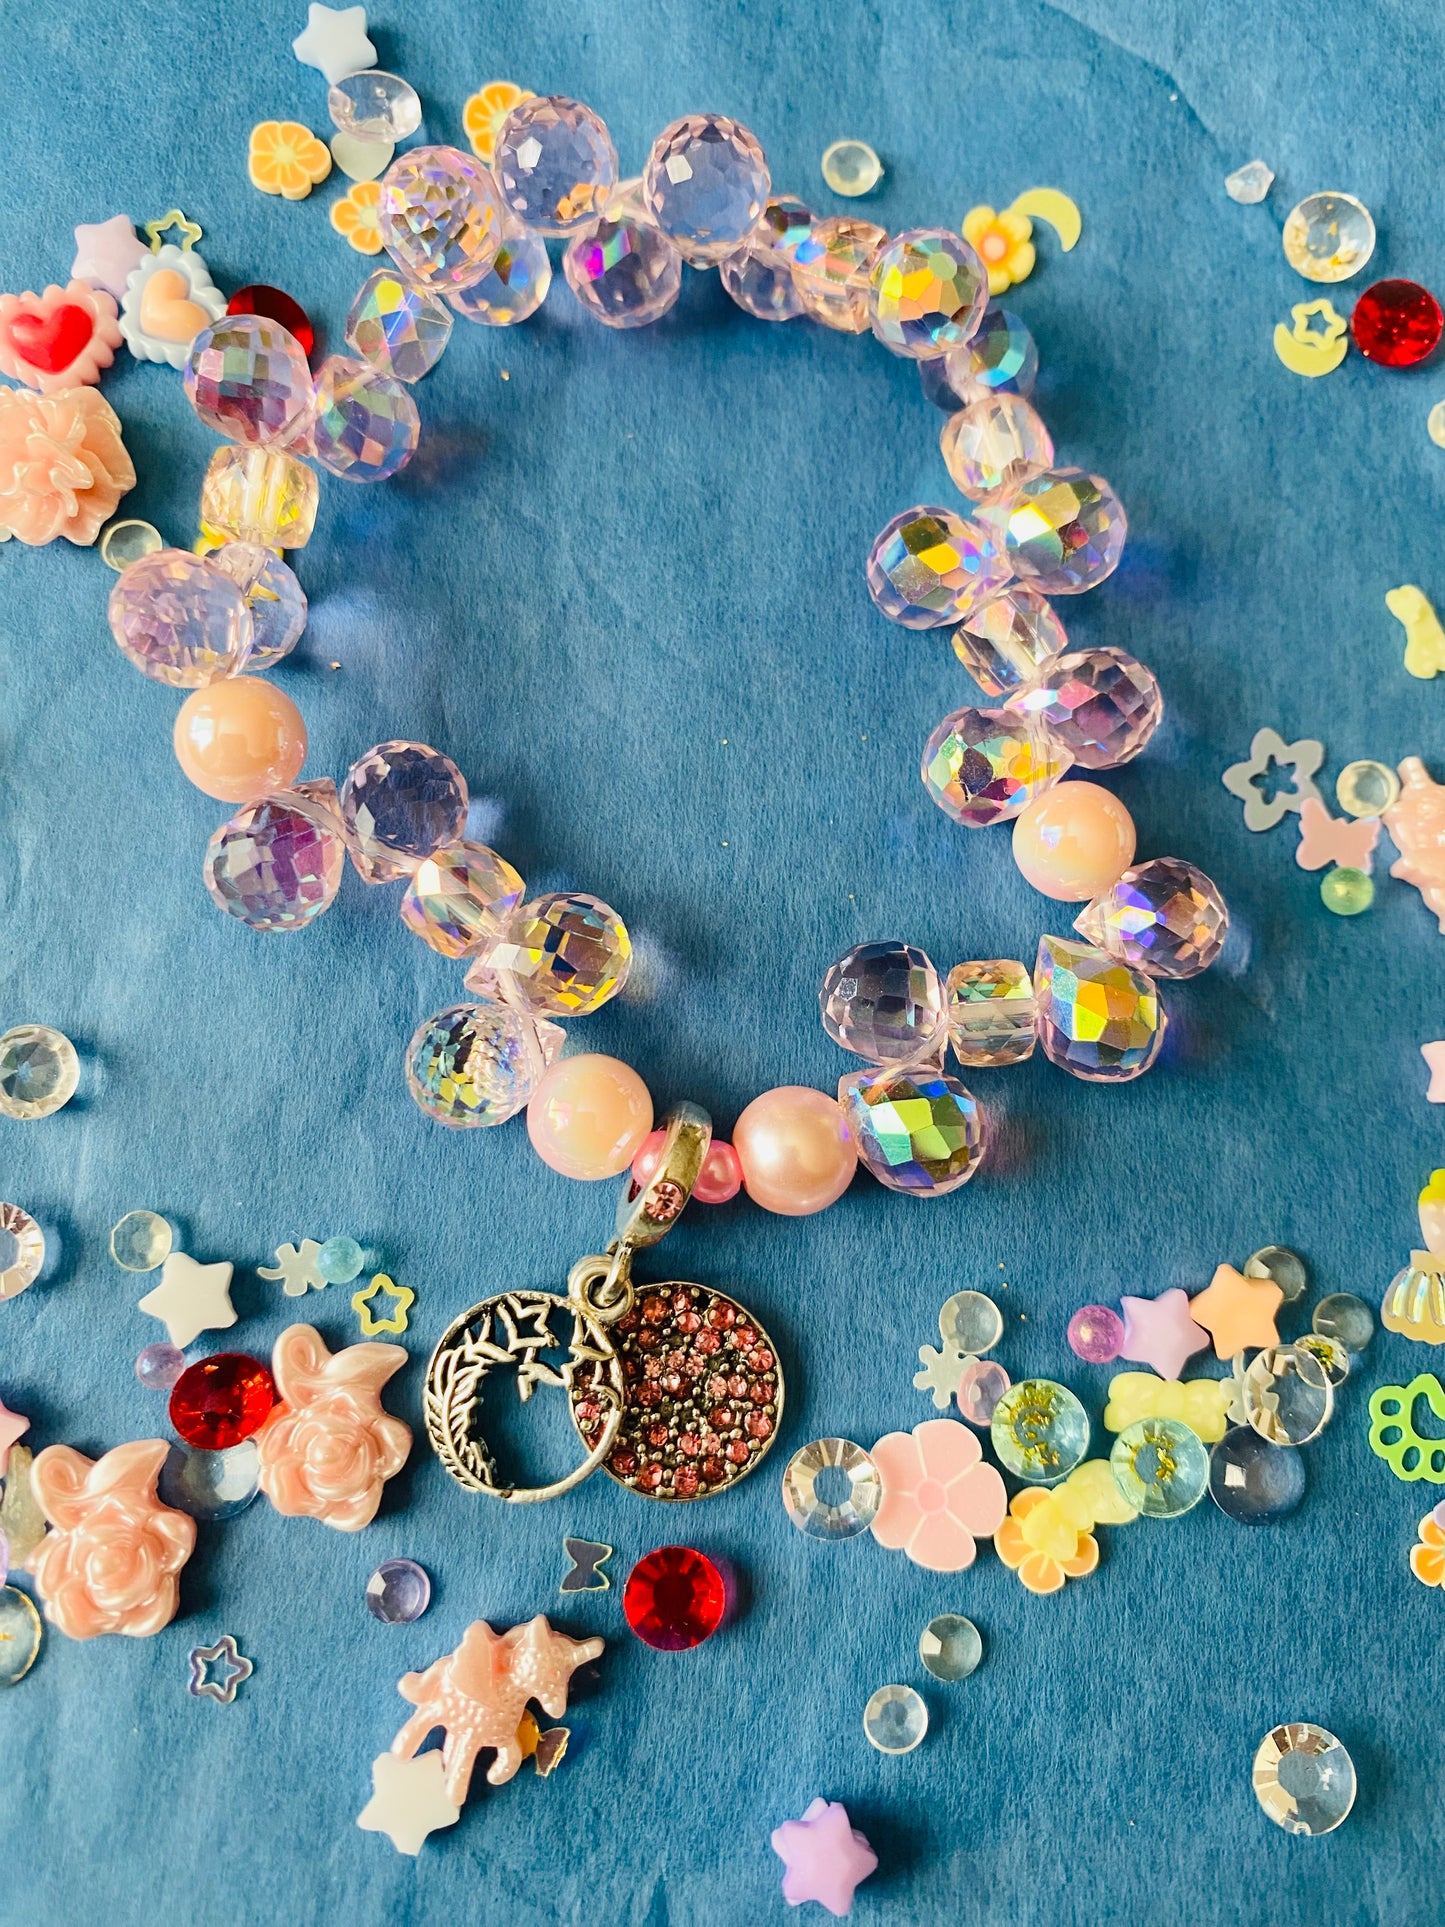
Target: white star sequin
(335, 41)
(191, 1298)
(408, 1800)
(296, 1269)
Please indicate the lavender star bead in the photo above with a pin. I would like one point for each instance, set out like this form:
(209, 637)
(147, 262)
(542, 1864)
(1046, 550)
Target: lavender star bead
(826, 1858)
(1160, 1332)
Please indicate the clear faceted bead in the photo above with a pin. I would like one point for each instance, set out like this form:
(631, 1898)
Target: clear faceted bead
(983, 766)
(927, 293)
(273, 595)
(554, 164)
(929, 567)
(397, 328)
(993, 445)
(248, 380)
(260, 495)
(39, 1071)
(1102, 703)
(832, 270)
(374, 106)
(1097, 1018)
(916, 1130)
(706, 184)
(999, 359)
(513, 287)
(1063, 531)
(623, 269)
(459, 898)
(991, 1012)
(179, 620)
(1009, 638)
(1328, 237)
(1249, 184)
(399, 803)
(364, 426)
(884, 1001)
(937, 388)
(474, 1065)
(1164, 917)
(759, 276)
(277, 863)
(440, 217)
(141, 1241)
(562, 955)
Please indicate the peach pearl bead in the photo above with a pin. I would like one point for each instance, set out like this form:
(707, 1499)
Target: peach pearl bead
(1074, 841)
(588, 1116)
(240, 739)
(796, 1154)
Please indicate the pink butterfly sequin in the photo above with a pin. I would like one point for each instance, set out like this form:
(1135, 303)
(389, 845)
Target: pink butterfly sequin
(1325, 839)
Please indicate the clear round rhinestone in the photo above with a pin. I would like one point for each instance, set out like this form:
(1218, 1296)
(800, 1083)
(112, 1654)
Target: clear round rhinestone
(39, 1071)
(895, 1719)
(950, 1647)
(831, 1489)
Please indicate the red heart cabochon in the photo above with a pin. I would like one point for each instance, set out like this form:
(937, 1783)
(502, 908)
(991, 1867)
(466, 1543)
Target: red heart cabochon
(51, 342)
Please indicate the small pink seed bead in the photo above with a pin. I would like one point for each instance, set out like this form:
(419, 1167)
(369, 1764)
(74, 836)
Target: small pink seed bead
(1074, 841)
(720, 1178)
(795, 1151)
(589, 1116)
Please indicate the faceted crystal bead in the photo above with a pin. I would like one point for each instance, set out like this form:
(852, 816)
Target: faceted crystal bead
(563, 955)
(1328, 237)
(1303, 1778)
(374, 106)
(554, 164)
(1252, 1481)
(340, 1260)
(706, 184)
(221, 1400)
(1000, 359)
(513, 287)
(398, 1592)
(397, 328)
(277, 863)
(247, 379)
(1039, 1431)
(929, 567)
(993, 445)
(759, 276)
(623, 269)
(1096, 1333)
(1063, 530)
(459, 898)
(674, 1599)
(140, 1241)
(832, 270)
(39, 1071)
(440, 217)
(927, 293)
(916, 1130)
(273, 595)
(1009, 638)
(1102, 703)
(884, 1001)
(364, 425)
(180, 621)
(1164, 917)
(1097, 1018)
(991, 1012)
(950, 1647)
(856, 1488)
(474, 1064)
(259, 495)
(1249, 184)
(937, 388)
(850, 168)
(895, 1720)
(401, 802)
(983, 766)
(159, 1366)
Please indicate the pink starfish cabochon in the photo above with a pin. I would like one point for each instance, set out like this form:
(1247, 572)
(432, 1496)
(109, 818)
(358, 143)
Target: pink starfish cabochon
(824, 1856)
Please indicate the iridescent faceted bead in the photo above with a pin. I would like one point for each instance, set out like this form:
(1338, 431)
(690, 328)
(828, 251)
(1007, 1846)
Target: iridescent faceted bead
(440, 217)
(1063, 530)
(180, 621)
(832, 269)
(916, 1129)
(706, 184)
(563, 955)
(513, 287)
(759, 276)
(1009, 638)
(1164, 917)
(623, 269)
(474, 1064)
(1000, 359)
(459, 898)
(211, 1485)
(927, 293)
(1345, 1318)
(1097, 1018)
(273, 595)
(983, 766)
(364, 425)
(937, 388)
(400, 802)
(398, 328)
(374, 106)
(277, 863)
(1367, 788)
(248, 380)
(884, 1001)
(990, 1012)
(929, 567)
(1102, 702)
(39, 1072)
(993, 445)
(554, 164)
(260, 495)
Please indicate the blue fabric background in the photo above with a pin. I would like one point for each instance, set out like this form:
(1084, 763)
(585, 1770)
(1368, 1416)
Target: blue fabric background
(624, 589)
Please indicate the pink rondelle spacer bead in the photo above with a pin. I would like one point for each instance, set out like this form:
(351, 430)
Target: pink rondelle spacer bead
(721, 1176)
(794, 1150)
(1074, 841)
(589, 1116)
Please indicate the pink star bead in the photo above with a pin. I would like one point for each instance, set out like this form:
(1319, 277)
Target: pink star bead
(1160, 1332)
(12, 1427)
(1434, 1056)
(826, 1858)
(106, 253)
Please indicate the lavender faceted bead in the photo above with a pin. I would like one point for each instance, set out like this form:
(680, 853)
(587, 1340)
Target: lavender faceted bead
(1095, 1334)
(248, 380)
(1009, 639)
(984, 766)
(396, 327)
(1000, 359)
(440, 217)
(513, 287)
(929, 567)
(399, 803)
(159, 1366)
(1103, 703)
(277, 863)
(364, 425)
(885, 1002)
(180, 621)
(623, 269)
(1164, 917)
(706, 184)
(273, 595)
(759, 277)
(554, 164)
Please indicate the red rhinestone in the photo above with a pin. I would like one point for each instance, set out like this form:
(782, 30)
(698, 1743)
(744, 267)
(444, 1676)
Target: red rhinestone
(713, 1470)
(717, 1387)
(762, 1361)
(685, 1482)
(745, 1337)
(657, 1435)
(689, 1445)
(694, 1364)
(222, 1400)
(721, 1418)
(738, 1451)
(761, 1392)
(681, 1301)
(689, 1321)
(652, 1367)
(672, 1382)
(654, 1309)
(647, 1395)
(738, 1386)
(623, 1462)
(721, 1316)
(648, 1340)
(649, 1478)
(708, 1342)
(674, 1599)
(275, 305)
(760, 1426)
(1397, 323)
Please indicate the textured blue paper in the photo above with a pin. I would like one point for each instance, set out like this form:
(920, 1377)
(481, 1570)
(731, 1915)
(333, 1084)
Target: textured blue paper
(624, 588)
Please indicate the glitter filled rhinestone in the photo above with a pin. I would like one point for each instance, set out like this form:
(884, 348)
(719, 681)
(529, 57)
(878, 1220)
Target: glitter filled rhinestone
(623, 269)
(211, 1486)
(950, 1647)
(993, 444)
(513, 287)
(140, 1241)
(473, 1065)
(159, 1366)
(1366, 788)
(1098, 1019)
(364, 424)
(554, 164)
(1397, 323)
(706, 184)
(247, 379)
(39, 1071)
(564, 954)
(1249, 184)
(1095, 1334)
(915, 1130)
(1009, 639)
(983, 766)
(339, 1261)
(459, 898)
(180, 621)
(674, 1599)
(1102, 703)
(991, 1012)
(221, 1400)
(401, 802)
(20, 1634)
(274, 304)
(895, 1719)
(276, 864)
(1328, 237)
(981, 1384)
(999, 359)
(884, 1001)
(397, 328)
(1063, 531)
(1303, 1778)
(1254, 1482)
(927, 293)
(398, 1592)
(1040, 1431)
(1346, 1318)
(1330, 1353)
(22, 1250)
(1288, 1396)
(1164, 917)
(1282, 1267)
(831, 1489)
(1160, 1467)
(850, 168)
(970, 1322)
(374, 106)
(832, 270)
(440, 217)
(929, 567)
(273, 595)
(759, 276)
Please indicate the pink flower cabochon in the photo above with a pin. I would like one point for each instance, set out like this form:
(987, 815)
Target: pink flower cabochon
(938, 1495)
(111, 1563)
(328, 1448)
(63, 465)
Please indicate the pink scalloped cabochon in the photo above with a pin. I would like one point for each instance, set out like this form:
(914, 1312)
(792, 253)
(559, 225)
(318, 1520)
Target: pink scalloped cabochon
(59, 339)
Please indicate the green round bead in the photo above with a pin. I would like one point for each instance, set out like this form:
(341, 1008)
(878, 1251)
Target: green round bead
(1347, 892)
(340, 1260)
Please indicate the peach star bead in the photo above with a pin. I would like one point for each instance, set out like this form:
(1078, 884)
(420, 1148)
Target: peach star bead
(1237, 1312)
(328, 1447)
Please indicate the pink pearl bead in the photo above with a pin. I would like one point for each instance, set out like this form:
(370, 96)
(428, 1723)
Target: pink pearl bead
(240, 739)
(1074, 841)
(589, 1116)
(721, 1176)
(795, 1151)
(649, 1156)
